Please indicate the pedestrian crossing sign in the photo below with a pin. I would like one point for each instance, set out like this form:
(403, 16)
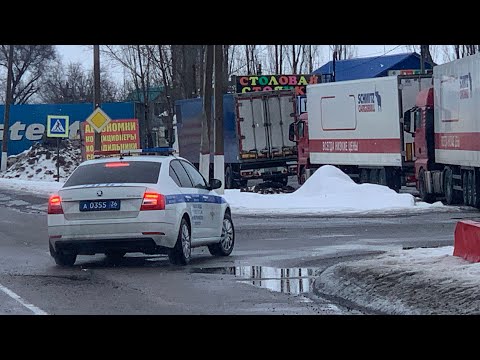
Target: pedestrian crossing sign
(57, 126)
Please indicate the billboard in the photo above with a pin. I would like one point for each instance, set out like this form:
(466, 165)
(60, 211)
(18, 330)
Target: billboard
(117, 135)
(28, 122)
(275, 82)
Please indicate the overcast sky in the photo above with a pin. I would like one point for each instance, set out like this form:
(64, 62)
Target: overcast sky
(83, 53)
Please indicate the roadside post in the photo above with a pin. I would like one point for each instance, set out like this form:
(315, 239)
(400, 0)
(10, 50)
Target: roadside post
(57, 127)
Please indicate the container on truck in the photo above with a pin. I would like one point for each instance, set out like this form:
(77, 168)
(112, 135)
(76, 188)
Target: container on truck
(358, 126)
(446, 125)
(256, 138)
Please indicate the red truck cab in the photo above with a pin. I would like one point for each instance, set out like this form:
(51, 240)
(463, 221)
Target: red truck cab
(421, 117)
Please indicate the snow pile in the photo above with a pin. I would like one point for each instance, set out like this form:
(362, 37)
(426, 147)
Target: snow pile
(40, 162)
(420, 281)
(36, 187)
(328, 190)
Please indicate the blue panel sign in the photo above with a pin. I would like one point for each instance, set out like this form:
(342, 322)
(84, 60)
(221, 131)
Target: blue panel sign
(28, 122)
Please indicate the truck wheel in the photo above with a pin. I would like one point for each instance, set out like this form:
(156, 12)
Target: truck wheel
(395, 179)
(465, 188)
(228, 178)
(470, 185)
(373, 176)
(475, 197)
(114, 257)
(284, 180)
(303, 176)
(382, 177)
(363, 176)
(422, 188)
(448, 186)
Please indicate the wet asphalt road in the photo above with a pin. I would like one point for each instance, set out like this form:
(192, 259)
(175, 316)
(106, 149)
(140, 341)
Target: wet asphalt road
(271, 270)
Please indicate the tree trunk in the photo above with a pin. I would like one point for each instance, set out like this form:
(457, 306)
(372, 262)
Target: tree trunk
(276, 60)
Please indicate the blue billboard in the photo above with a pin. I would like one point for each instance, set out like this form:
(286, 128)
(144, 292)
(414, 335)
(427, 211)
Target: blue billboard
(27, 123)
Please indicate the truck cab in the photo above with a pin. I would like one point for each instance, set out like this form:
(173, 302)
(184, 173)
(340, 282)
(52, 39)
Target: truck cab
(298, 132)
(419, 122)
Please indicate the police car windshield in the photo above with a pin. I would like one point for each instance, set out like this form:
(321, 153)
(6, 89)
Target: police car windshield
(115, 172)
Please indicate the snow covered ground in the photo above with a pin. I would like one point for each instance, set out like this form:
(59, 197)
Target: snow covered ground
(421, 281)
(329, 191)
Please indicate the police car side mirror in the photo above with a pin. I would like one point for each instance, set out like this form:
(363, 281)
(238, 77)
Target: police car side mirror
(215, 184)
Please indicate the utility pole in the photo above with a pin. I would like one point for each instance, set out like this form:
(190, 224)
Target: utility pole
(96, 93)
(219, 160)
(204, 164)
(6, 116)
(422, 59)
(334, 60)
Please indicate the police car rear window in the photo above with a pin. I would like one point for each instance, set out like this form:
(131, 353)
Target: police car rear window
(116, 172)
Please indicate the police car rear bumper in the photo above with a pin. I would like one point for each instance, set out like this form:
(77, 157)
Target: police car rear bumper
(161, 234)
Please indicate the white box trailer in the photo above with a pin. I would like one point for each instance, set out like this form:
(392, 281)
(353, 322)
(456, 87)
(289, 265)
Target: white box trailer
(358, 126)
(457, 112)
(447, 134)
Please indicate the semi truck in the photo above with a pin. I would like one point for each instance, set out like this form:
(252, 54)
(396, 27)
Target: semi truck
(357, 126)
(446, 126)
(256, 139)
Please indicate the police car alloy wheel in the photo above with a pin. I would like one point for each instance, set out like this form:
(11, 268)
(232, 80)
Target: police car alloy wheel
(225, 246)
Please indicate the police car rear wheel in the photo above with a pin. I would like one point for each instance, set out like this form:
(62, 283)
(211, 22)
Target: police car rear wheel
(62, 259)
(225, 246)
(181, 253)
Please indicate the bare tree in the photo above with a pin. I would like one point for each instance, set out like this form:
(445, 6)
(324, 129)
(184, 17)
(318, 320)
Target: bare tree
(252, 60)
(74, 84)
(461, 51)
(30, 63)
(138, 61)
(185, 60)
(343, 52)
(294, 57)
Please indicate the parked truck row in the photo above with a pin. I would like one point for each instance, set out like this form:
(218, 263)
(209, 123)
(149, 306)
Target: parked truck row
(394, 130)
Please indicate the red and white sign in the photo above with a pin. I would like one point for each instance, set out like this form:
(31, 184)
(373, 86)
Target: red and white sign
(117, 135)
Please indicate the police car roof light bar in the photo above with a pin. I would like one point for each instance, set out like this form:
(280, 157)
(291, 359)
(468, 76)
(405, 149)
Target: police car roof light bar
(162, 151)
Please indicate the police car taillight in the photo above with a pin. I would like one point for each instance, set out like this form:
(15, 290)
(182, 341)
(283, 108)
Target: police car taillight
(153, 201)
(55, 205)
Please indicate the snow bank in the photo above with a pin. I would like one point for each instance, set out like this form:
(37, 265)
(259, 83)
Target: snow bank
(36, 187)
(39, 163)
(328, 190)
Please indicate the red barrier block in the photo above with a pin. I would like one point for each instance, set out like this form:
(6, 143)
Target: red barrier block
(467, 240)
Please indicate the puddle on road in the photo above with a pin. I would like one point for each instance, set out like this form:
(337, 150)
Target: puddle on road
(293, 281)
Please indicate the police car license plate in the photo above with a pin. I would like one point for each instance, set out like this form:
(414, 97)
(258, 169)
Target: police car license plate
(95, 205)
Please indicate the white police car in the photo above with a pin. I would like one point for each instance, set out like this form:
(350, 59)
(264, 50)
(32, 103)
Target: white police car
(148, 204)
